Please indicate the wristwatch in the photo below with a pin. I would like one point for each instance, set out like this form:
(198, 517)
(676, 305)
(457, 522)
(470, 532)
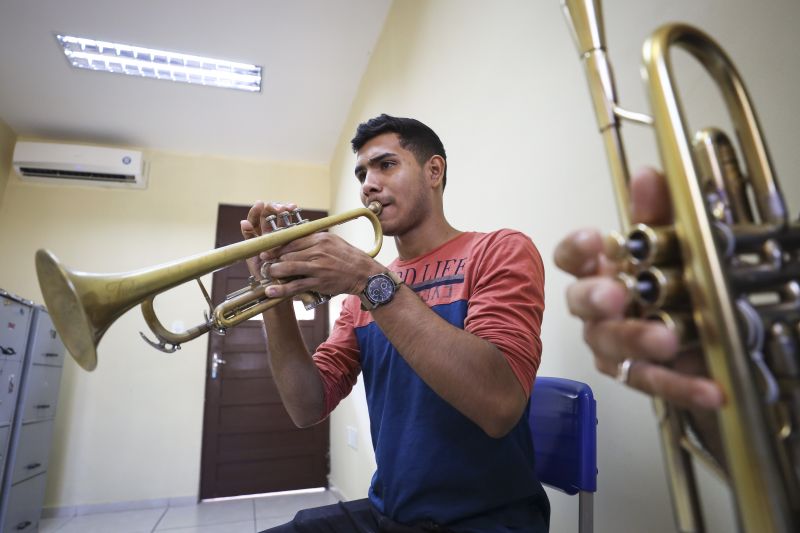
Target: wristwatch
(380, 290)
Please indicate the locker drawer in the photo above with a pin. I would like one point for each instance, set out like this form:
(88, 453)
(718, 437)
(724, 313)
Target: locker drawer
(24, 505)
(10, 372)
(42, 387)
(46, 348)
(4, 431)
(14, 322)
(33, 450)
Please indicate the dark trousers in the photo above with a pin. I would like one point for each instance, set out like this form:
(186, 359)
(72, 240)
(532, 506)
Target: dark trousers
(358, 516)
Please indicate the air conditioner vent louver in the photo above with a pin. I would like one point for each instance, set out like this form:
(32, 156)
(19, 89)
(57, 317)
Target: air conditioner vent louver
(79, 164)
(73, 174)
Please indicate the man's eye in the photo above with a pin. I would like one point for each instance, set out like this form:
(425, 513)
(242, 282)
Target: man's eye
(386, 164)
(360, 177)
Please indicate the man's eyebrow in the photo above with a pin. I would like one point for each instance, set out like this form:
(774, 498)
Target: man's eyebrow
(376, 159)
(381, 157)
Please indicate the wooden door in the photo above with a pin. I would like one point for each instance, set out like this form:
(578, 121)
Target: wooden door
(250, 445)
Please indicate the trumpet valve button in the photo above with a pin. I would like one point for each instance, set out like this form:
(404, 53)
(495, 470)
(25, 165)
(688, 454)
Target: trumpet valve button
(271, 221)
(265, 272)
(614, 246)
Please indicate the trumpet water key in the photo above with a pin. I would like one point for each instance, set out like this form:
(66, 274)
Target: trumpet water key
(725, 275)
(84, 305)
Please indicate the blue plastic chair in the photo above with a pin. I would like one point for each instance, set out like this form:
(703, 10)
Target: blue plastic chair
(563, 421)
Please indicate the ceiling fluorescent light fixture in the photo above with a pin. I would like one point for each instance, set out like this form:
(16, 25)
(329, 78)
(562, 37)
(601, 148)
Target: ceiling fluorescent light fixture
(106, 56)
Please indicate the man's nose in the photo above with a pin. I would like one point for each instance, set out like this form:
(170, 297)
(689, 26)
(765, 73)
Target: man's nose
(371, 183)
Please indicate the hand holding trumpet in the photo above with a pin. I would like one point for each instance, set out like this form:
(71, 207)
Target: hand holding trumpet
(658, 367)
(320, 262)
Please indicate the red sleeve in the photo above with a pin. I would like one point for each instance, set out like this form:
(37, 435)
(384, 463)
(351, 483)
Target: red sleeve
(506, 301)
(338, 359)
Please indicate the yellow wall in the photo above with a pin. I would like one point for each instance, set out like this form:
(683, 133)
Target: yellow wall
(7, 139)
(131, 430)
(501, 84)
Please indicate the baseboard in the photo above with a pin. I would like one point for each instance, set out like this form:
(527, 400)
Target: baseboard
(79, 510)
(336, 492)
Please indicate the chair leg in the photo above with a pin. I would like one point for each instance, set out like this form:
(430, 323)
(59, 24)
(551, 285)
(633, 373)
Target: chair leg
(585, 512)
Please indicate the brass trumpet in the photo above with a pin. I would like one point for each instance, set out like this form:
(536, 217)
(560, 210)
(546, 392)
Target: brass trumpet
(735, 256)
(84, 305)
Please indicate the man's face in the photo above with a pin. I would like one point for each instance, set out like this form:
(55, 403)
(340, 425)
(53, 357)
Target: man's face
(391, 175)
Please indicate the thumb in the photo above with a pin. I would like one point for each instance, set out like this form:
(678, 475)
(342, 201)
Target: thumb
(650, 199)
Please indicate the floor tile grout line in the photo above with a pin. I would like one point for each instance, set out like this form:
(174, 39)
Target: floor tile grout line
(62, 526)
(160, 518)
(200, 526)
(196, 526)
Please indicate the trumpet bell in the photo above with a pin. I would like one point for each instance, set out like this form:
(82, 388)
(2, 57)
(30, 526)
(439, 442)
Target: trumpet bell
(79, 334)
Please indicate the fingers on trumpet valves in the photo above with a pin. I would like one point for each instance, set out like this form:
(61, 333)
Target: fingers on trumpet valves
(265, 266)
(654, 287)
(614, 246)
(680, 323)
(651, 291)
(271, 221)
(283, 219)
(649, 261)
(643, 245)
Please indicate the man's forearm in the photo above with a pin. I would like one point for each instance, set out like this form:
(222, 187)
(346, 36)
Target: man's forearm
(471, 374)
(293, 369)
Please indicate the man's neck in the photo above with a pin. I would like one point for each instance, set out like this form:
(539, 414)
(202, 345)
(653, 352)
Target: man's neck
(425, 238)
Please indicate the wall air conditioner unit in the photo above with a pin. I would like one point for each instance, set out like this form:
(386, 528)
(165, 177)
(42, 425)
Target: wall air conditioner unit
(79, 164)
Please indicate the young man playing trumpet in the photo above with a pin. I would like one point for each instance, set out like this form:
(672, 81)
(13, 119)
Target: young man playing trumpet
(446, 337)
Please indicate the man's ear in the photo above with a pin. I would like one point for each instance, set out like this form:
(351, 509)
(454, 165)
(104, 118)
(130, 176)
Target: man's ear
(435, 169)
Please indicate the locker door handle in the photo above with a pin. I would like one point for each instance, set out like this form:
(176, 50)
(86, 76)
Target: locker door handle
(48, 354)
(43, 406)
(8, 351)
(23, 525)
(33, 466)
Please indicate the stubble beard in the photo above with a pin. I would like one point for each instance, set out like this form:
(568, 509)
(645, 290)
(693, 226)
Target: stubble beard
(417, 214)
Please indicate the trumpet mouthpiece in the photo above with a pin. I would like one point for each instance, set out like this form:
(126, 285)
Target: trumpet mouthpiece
(375, 207)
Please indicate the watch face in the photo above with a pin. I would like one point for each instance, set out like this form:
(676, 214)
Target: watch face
(380, 289)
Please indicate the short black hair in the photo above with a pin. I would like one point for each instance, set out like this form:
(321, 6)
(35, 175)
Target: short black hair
(415, 137)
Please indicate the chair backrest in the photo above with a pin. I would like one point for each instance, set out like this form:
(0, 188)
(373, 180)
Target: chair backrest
(563, 421)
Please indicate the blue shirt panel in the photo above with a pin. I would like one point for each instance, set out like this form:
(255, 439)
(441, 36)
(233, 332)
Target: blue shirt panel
(434, 464)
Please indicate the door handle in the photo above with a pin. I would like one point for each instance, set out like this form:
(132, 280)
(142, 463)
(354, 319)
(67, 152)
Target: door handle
(216, 361)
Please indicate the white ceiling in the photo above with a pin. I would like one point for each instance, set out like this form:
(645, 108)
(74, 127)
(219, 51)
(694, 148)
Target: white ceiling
(313, 54)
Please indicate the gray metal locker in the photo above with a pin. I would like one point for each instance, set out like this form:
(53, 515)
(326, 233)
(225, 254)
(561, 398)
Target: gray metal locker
(31, 429)
(15, 320)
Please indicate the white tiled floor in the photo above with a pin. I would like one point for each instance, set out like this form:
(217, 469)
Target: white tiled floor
(233, 516)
